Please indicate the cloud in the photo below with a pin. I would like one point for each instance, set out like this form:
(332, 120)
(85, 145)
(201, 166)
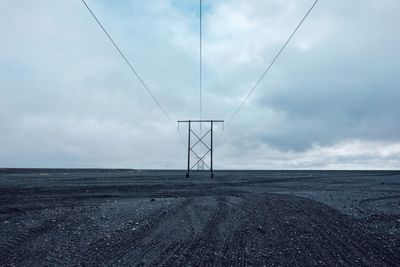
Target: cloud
(67, 99)
(348, 155)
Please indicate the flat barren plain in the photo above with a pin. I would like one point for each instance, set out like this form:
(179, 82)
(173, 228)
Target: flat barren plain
(104, 217)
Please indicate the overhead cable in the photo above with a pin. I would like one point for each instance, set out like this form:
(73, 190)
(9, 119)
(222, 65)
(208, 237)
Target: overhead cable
(200, 62)
(269, 66)
(130, 66)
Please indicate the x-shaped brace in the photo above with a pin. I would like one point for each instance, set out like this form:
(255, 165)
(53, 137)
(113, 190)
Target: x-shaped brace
(200, 159)
(200, 139)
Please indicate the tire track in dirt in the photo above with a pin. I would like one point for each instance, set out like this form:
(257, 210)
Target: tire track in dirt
(274, 228)
(64, 245)
(16, 249)
(112, 249)
(365, 202)
(325, 244)
(217, 230)
(222, 241)
(193, 250)
(348, 233)
(345, 237)
(171, 250)
(164, 241)
(285, 225)
(295, 218)
(200, 248)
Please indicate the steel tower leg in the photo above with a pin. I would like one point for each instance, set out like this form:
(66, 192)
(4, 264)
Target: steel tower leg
(211, 151)
(188, 159)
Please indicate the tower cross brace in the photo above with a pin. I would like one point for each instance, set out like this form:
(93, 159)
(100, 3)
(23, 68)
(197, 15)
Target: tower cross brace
(199, 140)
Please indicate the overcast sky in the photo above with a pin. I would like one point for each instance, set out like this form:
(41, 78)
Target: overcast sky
(331, 101)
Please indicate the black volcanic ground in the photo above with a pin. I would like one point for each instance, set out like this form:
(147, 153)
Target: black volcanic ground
(159, 218)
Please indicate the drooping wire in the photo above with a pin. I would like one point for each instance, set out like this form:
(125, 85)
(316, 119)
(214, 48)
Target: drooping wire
(270, 65)
(264, 73)
(130, 66)
(180, 136)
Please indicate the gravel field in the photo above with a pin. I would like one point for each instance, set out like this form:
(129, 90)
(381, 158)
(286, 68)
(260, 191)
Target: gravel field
(104, 217)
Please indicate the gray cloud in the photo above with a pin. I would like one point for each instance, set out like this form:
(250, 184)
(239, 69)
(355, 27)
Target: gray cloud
(67, 99)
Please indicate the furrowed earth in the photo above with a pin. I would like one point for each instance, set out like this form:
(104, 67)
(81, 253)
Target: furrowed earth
(97, 217)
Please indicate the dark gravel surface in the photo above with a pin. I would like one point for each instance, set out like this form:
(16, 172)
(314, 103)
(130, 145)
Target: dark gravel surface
(65, 217)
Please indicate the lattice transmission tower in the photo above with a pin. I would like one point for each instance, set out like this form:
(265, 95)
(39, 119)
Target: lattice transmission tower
(200, 145)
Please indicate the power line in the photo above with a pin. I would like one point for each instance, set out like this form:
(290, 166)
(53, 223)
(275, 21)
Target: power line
(270, 65)
(200, 57)
(130, 66)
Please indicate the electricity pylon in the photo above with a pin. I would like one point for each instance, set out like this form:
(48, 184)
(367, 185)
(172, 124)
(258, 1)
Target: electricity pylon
(200, 140)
